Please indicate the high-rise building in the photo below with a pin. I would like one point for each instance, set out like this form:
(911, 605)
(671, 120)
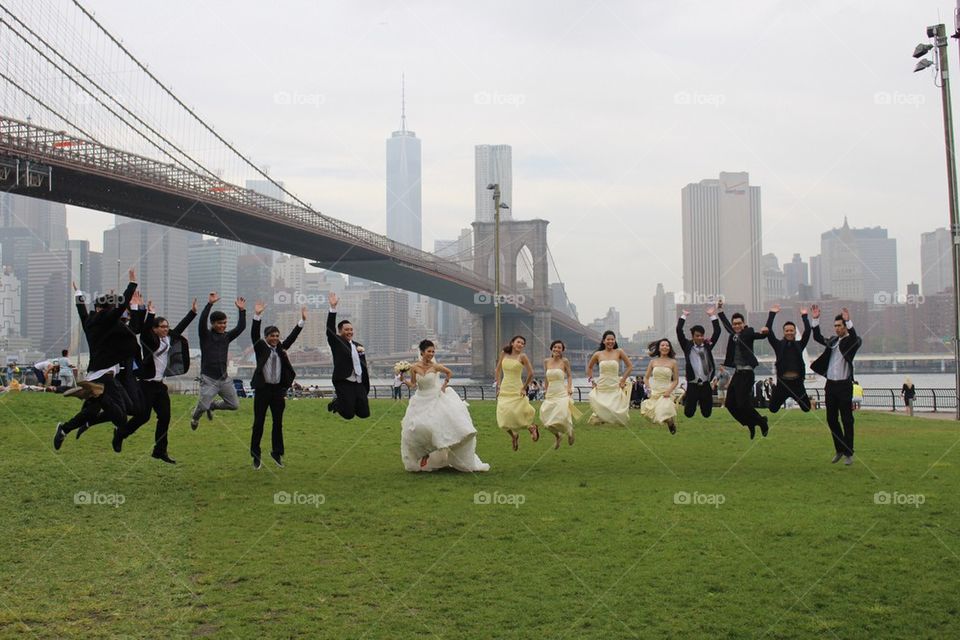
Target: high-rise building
(493, 165)
(936, 262)
(267, 188)
(796, 273)
(453, 322)
(48, 301)
(403, 184)
(816, 277)
(9, 303)
(158, 254)
(610, 321)
(47, 220)
(288, 272)
(213, 267)
(774, 280)
(722, 246)
(858, 264)
(664, 310)
(385, 323)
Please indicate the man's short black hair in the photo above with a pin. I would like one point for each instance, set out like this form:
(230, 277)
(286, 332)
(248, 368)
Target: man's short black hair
(65, 353)
(697, 328)
(218, 316)
(789, 322)
(341, 323)
(737, 315)
(839, 317)
(271, 329)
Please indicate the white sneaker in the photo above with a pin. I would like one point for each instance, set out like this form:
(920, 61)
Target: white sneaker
(836, 458)
(848, 460)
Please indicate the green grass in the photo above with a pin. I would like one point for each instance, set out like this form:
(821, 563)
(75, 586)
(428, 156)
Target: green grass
(598, 549)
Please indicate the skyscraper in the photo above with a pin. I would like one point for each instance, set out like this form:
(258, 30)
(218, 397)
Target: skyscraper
(157, 253)
(48, 301)
(493, 165)
(774, 280)
(213, 267)
(858, 264)
(722, 247)
(46, 220)
(796, 274)
(936, 262)
(403, 184)
(385, 321)
(664, 310)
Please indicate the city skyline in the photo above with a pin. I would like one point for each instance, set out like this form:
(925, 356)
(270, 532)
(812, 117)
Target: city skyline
(613, 159)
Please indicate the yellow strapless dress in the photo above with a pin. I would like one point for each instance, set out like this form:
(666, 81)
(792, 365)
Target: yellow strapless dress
(610, 403)
(558, 412)
(514, 410)
(659, 407)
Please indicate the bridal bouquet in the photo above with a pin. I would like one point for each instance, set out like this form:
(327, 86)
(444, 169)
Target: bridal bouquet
(401, 367)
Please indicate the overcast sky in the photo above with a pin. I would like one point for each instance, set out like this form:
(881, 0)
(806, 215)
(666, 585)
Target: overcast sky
(611, 109)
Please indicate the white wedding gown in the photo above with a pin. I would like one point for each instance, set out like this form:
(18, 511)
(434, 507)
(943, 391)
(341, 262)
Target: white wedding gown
(439, 425)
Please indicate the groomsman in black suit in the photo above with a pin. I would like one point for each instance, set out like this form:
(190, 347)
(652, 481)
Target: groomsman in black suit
(271, 379)
(701, 371)
(165, 353)
(107, 338)
(742, 361)
(350, 378)
(791, 369)
(836, 365)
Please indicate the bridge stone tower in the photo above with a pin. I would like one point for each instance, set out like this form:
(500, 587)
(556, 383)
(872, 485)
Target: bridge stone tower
(536, 328)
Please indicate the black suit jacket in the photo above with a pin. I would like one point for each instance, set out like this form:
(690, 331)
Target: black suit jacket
(781, 347)
(746, 337)
(849, 345)
(109, 339)
(178, 358)
(342, 355)
(262, 351)
(686, 344)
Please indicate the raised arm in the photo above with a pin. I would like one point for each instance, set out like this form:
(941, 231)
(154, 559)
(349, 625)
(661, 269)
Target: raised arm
(771, 337)
(815, 314)
(715, 321)
(187, 319)
(296, 330)
(241, 319)
(203, 329)
(680, 338)
(806, 329)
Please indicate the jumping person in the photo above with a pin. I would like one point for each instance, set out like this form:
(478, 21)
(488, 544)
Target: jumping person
(271, 380)
(214, 346)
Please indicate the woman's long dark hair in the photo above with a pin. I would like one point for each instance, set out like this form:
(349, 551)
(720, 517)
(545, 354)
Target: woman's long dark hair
(509, 348)
(606, 333)
(654, 348)
(425, 344)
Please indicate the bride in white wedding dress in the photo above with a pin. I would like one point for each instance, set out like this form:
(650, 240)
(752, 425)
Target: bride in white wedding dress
(437, 429)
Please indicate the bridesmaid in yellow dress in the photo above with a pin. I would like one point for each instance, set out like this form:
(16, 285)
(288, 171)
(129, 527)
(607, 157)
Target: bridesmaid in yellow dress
(661, 378)
(514, 411)
(557, 412)
(609, 398)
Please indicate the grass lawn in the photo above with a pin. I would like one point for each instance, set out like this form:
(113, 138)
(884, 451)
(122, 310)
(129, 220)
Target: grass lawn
(630, 533)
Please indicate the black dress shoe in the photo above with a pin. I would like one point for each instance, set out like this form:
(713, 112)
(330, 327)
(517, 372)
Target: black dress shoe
(209, 414)
(162, 455)
(764, 426)
(83, 429)
(332, 407)
(117, 440)
(59, 436)
(256, 464)
(278, 459)
(753, 431)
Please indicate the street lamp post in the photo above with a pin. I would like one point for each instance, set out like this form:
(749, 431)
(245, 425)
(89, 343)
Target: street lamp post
(939, 36)
(497, 205)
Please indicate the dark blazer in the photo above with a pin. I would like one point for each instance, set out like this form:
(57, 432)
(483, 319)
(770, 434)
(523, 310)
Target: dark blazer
(262, 351)
(746, 337)
(783, 348)
(849, 345)
(109, 339)
(178, 358)
(686, 344)
(342, 356)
